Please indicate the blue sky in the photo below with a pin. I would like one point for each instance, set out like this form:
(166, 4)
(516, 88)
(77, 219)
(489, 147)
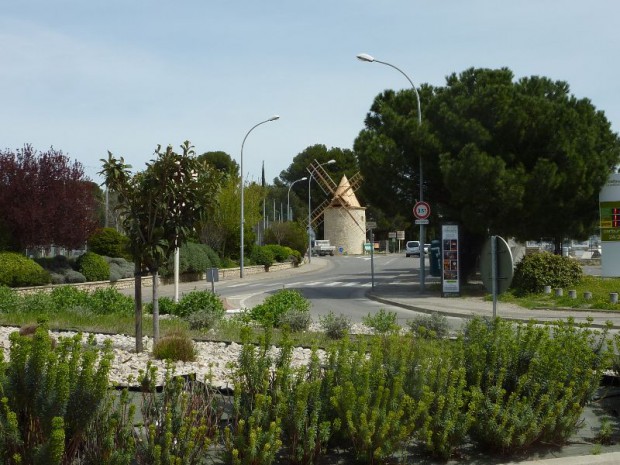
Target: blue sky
(126, 75)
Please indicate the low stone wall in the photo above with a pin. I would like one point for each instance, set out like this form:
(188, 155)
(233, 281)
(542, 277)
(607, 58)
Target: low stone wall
(147, 281)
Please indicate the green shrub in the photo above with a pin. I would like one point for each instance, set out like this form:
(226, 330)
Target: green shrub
(530, 381)
(254, 433)
(50, 396)
(175, 346)
(296, 320)
(382, 321)
(202, 320)
(58, 263)
(19, 271)
(193, 258)
(181, 422)
(39, 303)
(120, 268)
(271, 311)
(72, 277)
(68, 297)
(200, 301)
(280, 253)
(261, 255)
(306, 430)
(291, 234)
(93, 266)
(376, 415)
(434, 325)
(167, 306)
(335, 326)
(110, 301)
(110, 243)
(535, 271)
(10, 301)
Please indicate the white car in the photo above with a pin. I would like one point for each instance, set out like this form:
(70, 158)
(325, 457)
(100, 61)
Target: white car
(412, 248)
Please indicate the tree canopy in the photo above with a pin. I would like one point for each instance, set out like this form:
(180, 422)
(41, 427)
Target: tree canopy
(160, 209)
(45, 199)
(521, 158)
(221, 161)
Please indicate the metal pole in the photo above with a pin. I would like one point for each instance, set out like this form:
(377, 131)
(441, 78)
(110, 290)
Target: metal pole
(370, 59)
(176, 275)
(288, 198)
(309, 215)
(372, 259)
(242, 221)
(494, 273)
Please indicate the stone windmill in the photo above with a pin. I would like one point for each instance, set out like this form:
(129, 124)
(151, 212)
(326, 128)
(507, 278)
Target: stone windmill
(344, 217)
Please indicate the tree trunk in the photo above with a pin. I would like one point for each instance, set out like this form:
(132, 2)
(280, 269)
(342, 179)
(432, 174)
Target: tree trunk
(155, 307)
(138, 305)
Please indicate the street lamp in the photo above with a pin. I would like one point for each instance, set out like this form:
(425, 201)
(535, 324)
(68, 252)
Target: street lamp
(288, 198)
(371, 59)
(273, 118)
(330, 162)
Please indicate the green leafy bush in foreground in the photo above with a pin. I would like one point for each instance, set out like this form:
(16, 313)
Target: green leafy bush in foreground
(50, 396)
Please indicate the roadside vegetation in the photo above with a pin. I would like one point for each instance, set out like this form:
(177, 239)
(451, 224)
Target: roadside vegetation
(538, 270)
(501, 387)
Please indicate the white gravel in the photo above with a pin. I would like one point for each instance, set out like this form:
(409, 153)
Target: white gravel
(215, 358)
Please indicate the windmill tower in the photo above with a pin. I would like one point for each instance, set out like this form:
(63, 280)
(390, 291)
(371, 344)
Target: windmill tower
(344, 217)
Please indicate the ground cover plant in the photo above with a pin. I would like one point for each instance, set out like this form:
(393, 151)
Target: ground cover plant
(600, 288)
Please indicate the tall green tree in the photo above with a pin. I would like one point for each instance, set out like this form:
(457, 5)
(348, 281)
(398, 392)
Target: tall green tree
(221, 161)
(221, 230)
(160, 209)
(521, 158)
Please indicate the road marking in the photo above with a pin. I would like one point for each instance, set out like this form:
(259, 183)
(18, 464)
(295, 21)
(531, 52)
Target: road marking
(335, 283)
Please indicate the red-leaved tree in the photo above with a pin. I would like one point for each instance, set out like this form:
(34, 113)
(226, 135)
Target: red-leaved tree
(45, 199)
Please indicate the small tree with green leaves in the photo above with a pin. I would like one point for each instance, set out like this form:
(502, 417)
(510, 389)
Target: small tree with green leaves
(160, 208)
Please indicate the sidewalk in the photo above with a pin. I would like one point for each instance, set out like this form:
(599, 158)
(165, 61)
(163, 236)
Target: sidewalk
(466, 307)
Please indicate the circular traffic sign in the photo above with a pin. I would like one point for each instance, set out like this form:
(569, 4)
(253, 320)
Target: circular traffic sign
(421, 210)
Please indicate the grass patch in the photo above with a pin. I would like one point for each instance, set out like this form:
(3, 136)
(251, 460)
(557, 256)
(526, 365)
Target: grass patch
(599, 287)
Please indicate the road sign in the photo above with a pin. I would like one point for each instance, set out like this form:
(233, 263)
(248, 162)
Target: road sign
(421, 210)
(421, 221)
(371, 224)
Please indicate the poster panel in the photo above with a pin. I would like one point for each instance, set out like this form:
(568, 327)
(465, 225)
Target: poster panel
(450, 282)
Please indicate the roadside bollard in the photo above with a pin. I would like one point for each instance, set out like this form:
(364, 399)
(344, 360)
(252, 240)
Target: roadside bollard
(559, 292)
(613, 297)
(572, 294)
(587, 295)
(547, 289)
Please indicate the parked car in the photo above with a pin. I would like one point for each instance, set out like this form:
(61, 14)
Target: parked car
(412, 248)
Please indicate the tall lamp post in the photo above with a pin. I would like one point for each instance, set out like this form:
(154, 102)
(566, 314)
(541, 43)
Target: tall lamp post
(273, 118)
(329, 162)
(370, 59)
(288, 198)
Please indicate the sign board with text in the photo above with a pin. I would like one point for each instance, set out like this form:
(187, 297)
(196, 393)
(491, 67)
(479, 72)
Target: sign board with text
(450, 276)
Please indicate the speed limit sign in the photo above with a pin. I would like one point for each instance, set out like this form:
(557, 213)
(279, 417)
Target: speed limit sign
(421, 210)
